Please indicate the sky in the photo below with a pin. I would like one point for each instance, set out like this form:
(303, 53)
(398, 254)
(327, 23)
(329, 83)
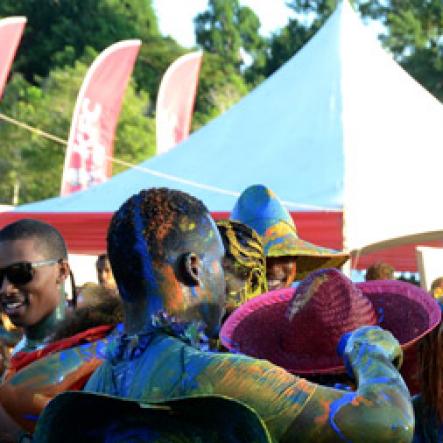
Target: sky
(175, 17)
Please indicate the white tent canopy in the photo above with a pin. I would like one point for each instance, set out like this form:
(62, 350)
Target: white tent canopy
(392, 141)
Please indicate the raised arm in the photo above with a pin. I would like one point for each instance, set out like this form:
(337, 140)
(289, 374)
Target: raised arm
(378, 411)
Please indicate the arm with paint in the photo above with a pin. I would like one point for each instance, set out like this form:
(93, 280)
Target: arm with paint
(378, 411)
(25, 393)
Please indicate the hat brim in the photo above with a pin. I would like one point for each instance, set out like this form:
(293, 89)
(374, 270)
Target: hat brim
(281, 240)
(92, 418)
(257, 327)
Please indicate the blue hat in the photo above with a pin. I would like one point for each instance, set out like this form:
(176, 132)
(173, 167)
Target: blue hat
(261, 209)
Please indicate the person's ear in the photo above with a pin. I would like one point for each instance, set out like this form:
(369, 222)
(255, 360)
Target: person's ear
(190, 264)
(63, 271)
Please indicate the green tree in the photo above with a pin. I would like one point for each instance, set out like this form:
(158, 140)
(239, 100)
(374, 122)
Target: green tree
(226, 27)
(285, 43)
(35, 162)
(311, 14)
(228, 33)
(54, 25)
(220, 86)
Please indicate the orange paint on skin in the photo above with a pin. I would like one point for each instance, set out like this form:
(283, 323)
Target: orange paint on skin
(174, 300)
(322, 419)
(304, 386)
(358, 400)
(24, 398)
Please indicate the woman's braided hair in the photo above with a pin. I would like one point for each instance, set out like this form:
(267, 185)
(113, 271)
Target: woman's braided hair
(243, 246)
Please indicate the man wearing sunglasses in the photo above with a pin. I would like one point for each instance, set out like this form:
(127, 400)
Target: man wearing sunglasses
(58, 351)
(33, 269)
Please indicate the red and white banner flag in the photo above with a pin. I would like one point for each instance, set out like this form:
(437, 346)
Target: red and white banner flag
(175, 101)
(91, 138)
(11, 30)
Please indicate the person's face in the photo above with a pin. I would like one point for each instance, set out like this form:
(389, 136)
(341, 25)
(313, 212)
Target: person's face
(104, 274)
(280, 272)
(28, 304)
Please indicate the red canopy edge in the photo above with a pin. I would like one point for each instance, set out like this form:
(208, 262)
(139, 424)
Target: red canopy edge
(85, 233)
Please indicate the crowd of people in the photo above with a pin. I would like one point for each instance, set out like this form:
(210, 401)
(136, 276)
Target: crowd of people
(200, 330)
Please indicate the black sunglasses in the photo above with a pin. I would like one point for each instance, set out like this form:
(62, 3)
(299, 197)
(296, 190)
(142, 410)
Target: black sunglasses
(23, 272)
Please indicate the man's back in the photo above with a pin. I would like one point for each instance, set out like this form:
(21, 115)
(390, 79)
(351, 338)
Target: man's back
(168, 368)
(166, 255)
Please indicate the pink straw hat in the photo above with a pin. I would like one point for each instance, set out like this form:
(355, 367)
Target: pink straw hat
(299, 329)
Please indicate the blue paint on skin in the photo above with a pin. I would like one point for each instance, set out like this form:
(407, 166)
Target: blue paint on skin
(63, 357)
(335, 408)
(31, 417)
(362, 352)
(194, 292)
(382, 380)
(101, 349)
(154, 301)
(385, 397)
(85, 352)
(381, 315)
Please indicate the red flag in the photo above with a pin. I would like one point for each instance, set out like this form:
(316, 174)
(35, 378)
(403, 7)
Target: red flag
(96, 112)
(11, 30)
(175, 101)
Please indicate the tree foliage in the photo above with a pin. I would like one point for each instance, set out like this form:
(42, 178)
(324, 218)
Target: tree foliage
(220, 86)
(226, 28)
(285, 43)
(54, 25)
(234, 57)
(35, 162)
(61, 39)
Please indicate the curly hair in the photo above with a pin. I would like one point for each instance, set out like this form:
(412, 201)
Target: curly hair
(145, 228)
(244, 247)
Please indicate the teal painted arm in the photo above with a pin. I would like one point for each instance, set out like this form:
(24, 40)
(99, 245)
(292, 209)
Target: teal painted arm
(378, 411)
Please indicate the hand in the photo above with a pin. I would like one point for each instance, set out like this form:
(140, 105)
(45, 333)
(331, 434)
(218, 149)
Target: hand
(369, 340)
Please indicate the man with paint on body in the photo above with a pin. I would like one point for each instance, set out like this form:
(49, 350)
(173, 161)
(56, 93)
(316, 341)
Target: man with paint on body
(166, 256)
